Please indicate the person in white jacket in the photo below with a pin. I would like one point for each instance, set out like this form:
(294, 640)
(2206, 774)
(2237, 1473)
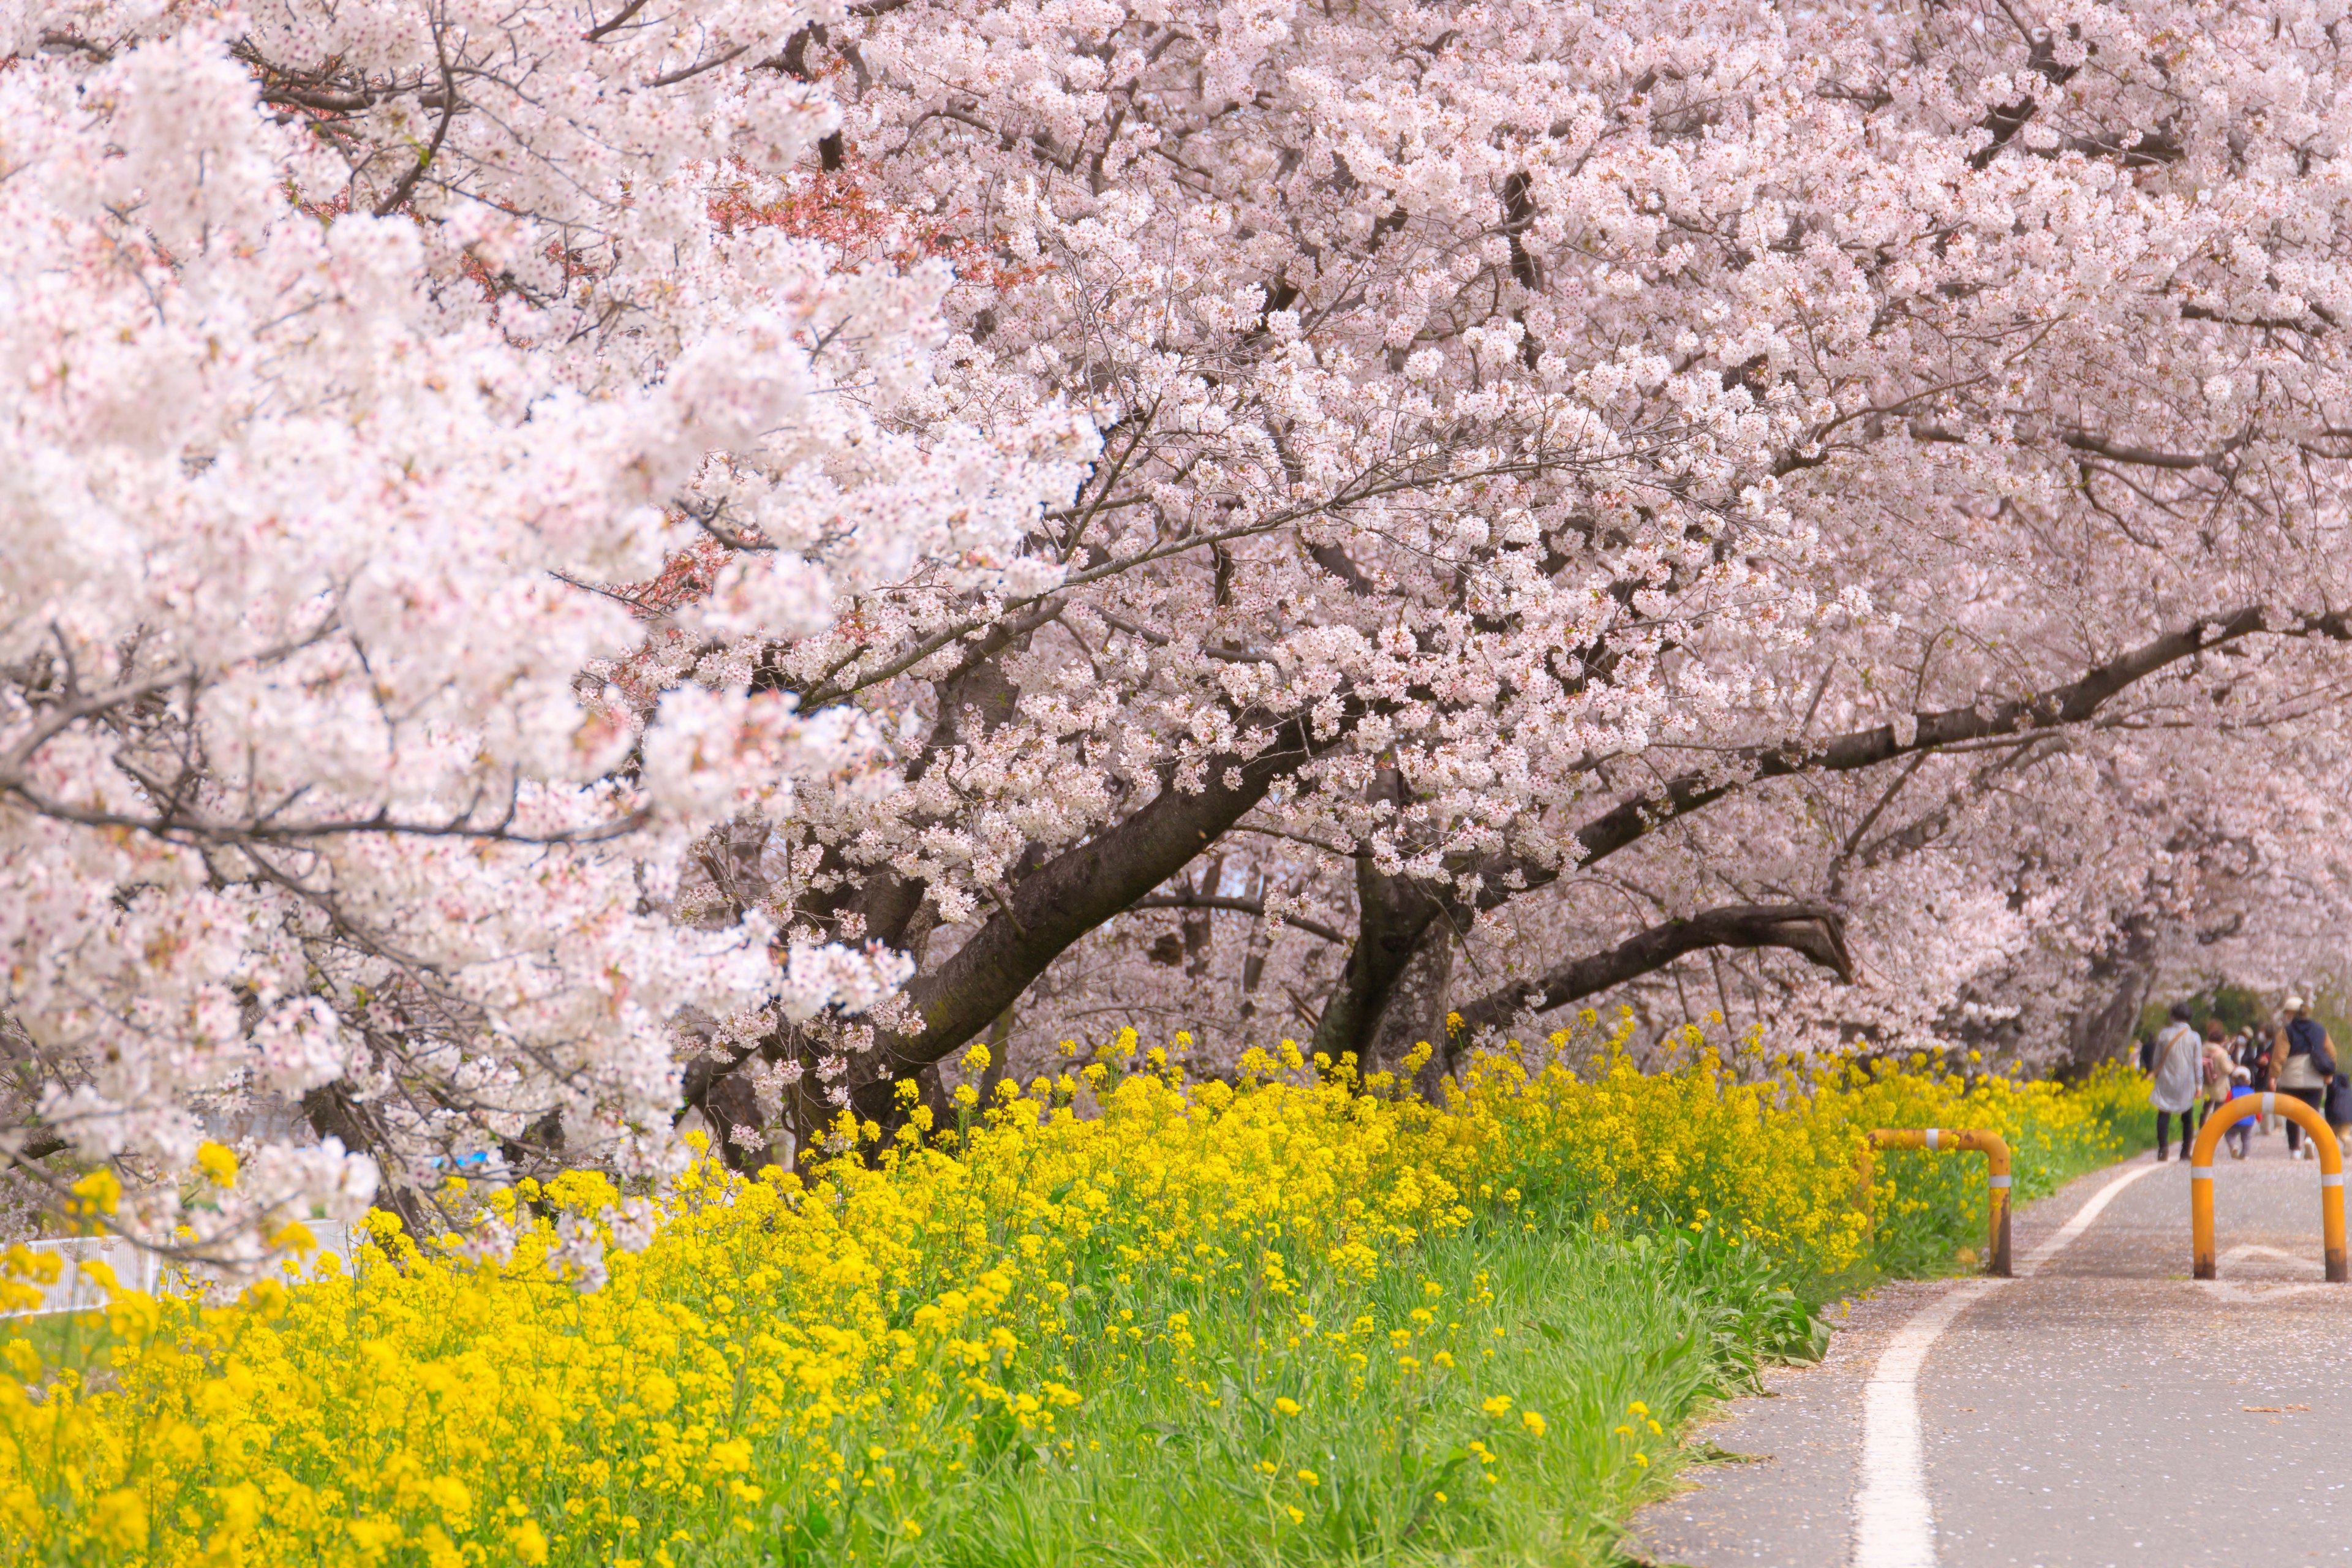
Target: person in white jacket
(2180, 1074)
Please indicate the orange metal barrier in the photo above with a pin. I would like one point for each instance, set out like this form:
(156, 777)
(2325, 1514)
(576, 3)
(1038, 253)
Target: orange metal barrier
(1996, 1154)
(2331, 1177)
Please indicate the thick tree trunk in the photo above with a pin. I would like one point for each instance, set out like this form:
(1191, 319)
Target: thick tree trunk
(1070, 895)
(2120, 979)
(1415, 1014)
(1000, 1053)
(334, 1112)
(1393, 916)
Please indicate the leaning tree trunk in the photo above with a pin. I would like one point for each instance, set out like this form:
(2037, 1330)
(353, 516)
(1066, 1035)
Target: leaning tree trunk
(1392, 917)
(2120, 979)
(1415, 1014)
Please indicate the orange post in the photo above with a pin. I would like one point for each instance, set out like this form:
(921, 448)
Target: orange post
(1962, 1140)
(2331, 1179)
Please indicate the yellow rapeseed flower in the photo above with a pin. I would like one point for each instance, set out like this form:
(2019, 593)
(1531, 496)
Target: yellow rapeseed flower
(857, 1338)
(218, 1162)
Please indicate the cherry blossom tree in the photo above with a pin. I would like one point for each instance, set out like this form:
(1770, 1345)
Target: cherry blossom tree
(1583, 489)
(708, 562)
(359, 361)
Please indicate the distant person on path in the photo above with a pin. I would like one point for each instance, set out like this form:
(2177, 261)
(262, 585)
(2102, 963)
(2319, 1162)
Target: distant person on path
(2148, 1053)
(2215, 1061)
(2254, 1056)
(2241, 1133)
(2303, 1060)
(2339, 1104)
(2179, 1078)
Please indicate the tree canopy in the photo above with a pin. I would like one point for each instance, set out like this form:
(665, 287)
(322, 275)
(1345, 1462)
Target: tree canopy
(567, 563)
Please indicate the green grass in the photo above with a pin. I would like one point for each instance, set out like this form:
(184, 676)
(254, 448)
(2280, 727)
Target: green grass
(1949, 1237)
(1613, 1343)
(76, 1341)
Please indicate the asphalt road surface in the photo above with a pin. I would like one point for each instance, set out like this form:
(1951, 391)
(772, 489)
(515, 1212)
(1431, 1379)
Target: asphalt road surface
(2104, 1409)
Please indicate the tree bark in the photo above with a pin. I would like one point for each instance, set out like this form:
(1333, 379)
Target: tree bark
(2120, 979)
(1070, 895)
(1415, 1013)
(333, 1113)
(1393, 916)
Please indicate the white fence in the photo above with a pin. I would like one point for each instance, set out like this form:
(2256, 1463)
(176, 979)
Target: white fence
(135, 1268)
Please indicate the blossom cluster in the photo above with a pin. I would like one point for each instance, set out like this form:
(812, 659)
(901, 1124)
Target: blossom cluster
(566, 561)
(360, 367)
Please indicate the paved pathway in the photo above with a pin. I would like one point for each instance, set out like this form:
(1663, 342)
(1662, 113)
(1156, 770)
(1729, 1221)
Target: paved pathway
(2105, 1410)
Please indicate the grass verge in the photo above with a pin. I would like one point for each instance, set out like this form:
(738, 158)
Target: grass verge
(1122, 1318)
(1416, 1456)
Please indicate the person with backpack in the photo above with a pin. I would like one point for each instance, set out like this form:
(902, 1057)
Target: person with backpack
(2215, 1061)
(2179, 1065)
(2305, 1060)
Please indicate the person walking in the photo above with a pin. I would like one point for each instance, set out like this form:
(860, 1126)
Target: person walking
(2179, 1078)
(2214, 1059)
(2254, 1056)
(2303, 1060)
(2240, 1134)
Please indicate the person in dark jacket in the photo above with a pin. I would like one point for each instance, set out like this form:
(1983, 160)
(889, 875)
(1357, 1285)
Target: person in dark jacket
(2305, 1060)
(2254, 1056)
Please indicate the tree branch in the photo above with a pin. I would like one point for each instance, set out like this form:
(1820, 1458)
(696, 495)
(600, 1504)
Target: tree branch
(400, 193)
(2100, 447)
(1816, 930)
(1238, 906)
(1072, 894)
(2072, 703)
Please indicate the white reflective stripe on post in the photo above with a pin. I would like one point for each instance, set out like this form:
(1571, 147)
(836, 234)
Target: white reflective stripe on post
(2269, 1104)
(2000, 1181)
(2335, 1181)
(1931, 1139)
(2200, 1172)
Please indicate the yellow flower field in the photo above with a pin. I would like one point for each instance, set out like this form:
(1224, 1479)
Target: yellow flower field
(1333, 1321)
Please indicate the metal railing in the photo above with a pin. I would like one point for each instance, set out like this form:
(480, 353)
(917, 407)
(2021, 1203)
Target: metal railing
(2331, 1177)
(134, 1268)
(1936, 1140)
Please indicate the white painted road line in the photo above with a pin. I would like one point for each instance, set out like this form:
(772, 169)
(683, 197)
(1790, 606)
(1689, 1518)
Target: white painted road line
(1894, 1524)
(2090, 1211)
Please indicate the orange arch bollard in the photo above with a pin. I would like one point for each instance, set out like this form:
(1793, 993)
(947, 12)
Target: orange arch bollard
(2331, 1178)
(1960, 1141)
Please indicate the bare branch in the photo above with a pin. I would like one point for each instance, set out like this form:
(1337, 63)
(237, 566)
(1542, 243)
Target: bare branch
(1813, 931)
